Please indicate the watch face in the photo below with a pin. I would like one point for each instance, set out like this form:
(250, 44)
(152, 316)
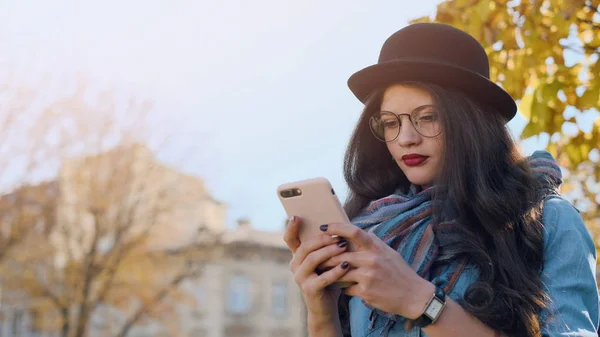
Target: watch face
(434, 308)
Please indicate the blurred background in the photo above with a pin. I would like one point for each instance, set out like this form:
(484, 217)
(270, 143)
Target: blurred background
(141, 144)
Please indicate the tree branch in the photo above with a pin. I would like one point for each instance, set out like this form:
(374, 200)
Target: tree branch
(592, 23)
(89, 275)
(145, 309)
(112, 270)
(53, 297)
(6, 245)
(593, 49)
(592, 7)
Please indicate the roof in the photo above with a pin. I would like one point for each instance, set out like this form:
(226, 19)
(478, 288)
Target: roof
(246, 233)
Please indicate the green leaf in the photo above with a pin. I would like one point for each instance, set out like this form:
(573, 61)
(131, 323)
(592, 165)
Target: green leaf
(577, 150)
(525, 104)
(589, 99)
(573, 153)
(531, 129)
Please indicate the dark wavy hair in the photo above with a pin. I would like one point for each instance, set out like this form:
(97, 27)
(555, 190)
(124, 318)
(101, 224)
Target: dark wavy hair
(488, 185)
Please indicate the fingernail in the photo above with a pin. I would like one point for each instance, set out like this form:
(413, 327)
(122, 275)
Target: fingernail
(342, 243)
(345, 265)
(292, 219)
(323, 228)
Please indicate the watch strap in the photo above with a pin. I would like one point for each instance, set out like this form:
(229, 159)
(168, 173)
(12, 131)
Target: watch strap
(425, 320)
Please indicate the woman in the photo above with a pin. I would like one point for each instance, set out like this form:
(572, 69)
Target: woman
(454, 232)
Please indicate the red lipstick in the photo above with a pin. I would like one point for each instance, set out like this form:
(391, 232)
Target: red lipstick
(414, 159)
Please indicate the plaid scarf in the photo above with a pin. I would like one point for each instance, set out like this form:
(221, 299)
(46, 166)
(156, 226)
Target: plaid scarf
(405, 223)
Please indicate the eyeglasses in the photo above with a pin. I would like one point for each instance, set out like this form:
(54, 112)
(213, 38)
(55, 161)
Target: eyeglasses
(386, 125)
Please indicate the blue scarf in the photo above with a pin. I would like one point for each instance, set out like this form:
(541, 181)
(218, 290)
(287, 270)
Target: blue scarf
(405, 223)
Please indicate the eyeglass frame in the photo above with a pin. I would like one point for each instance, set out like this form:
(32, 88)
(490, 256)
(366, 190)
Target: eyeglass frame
(400, 123)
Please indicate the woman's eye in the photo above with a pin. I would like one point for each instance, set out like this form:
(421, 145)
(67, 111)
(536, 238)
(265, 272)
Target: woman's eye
(428, 118)
(390, 124)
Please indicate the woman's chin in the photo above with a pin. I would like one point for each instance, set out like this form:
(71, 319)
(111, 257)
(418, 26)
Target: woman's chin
(421, 175)
(420, 181)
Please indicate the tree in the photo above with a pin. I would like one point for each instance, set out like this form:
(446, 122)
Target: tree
(120, 235)
(15, 105)
(546, 54)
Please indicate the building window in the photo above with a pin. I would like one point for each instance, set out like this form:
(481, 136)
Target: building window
(17, 322)
(200, 300)
(279, 298)
(199, 295)
(1, 324)
(238, 300)
(35, 322)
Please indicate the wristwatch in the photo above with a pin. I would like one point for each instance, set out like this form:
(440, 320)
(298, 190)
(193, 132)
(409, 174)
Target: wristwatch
(433, 309)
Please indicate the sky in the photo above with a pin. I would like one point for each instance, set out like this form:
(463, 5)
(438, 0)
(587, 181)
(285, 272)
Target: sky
(256, 88)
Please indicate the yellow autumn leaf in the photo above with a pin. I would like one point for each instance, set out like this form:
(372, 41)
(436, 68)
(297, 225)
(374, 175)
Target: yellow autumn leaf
(464, 3)
(524, 106)
(421, 19)
(574, 153)
(530, 130)
(483, 8)
(589, 99)
(552, 148)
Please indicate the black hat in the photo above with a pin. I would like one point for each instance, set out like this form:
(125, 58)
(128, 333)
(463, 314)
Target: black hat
(436, 53)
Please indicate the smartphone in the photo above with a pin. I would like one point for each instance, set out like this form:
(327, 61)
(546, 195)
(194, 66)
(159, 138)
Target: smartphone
(315, 202)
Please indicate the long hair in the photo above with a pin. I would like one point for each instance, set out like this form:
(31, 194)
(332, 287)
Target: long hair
(488, 185)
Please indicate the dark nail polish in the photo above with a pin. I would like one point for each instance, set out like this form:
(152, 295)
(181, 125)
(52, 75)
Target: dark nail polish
(323, 228)
(342, 243)
(345, 265)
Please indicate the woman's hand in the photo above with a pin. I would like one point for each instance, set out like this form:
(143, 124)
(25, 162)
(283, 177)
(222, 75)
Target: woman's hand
(321, 300)
(384, 279)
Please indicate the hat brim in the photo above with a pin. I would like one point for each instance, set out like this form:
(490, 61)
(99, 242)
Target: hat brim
(363, 82)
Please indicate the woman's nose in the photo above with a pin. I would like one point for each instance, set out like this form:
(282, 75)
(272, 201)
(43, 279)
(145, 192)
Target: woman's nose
(407, 136)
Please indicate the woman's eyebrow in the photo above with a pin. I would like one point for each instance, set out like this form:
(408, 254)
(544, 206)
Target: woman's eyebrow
(420, 106)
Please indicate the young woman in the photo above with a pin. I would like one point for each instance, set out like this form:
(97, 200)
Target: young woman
(455, 232)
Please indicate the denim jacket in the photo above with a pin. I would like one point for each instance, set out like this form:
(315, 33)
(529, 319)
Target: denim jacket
(569, 276)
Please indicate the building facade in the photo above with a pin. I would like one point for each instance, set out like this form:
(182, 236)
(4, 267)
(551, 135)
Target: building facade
(245, 287)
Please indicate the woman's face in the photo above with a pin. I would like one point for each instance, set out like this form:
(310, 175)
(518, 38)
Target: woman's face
(417, 153)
